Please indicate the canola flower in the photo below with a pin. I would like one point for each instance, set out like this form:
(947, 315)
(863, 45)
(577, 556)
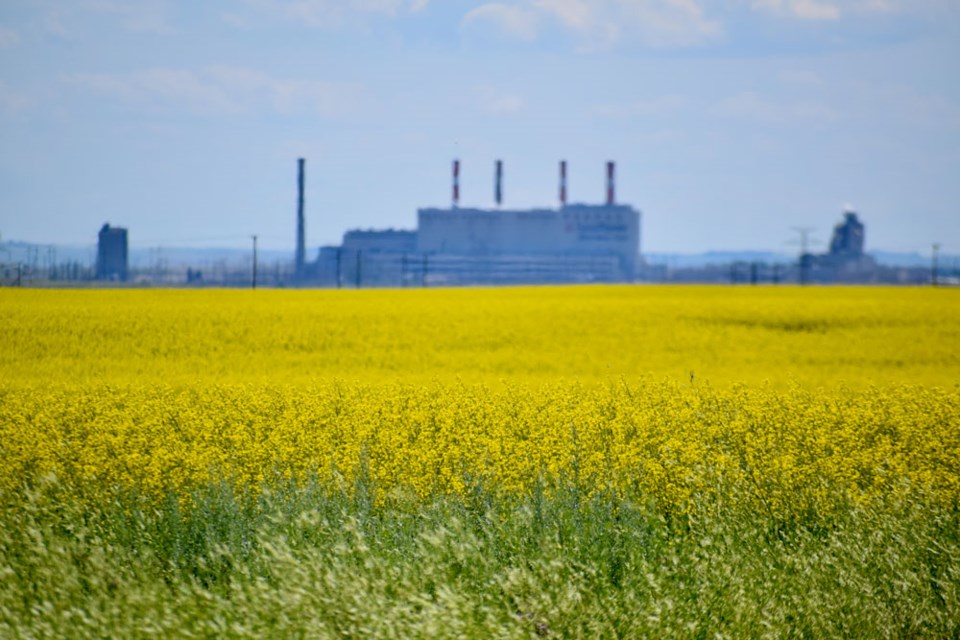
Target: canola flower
(816, 397)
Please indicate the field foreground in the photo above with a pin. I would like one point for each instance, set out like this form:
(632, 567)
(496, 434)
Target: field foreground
(559, 462)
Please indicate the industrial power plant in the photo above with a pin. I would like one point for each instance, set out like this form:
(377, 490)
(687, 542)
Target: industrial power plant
(569, 242)
(572, 242)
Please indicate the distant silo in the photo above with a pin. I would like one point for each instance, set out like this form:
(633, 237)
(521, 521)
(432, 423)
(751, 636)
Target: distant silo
(847, 241)
(112, 253)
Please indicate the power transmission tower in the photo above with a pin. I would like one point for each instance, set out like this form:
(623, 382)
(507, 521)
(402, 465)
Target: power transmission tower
(804, 255)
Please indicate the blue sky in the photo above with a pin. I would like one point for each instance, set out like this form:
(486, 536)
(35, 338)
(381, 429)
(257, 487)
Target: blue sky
(731, 121)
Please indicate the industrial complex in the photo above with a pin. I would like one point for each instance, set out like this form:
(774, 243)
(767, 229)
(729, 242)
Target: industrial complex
(569, 242)
(572, 242)
(846, 260)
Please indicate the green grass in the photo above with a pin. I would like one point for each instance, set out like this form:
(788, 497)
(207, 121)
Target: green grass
(300, 562)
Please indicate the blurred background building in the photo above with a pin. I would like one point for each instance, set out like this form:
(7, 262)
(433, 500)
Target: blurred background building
(112, 254)
(470, 245)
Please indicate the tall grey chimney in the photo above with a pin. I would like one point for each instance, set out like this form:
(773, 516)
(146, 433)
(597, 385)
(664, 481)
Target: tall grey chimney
(611, 197)
(563, 183)
(456, 184)
(299, 269)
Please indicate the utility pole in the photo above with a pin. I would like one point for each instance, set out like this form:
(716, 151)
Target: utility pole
(933, 264)
(804, 258)
(254, 260)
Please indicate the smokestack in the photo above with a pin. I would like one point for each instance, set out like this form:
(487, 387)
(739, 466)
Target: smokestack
(610, 184)
(456, 183)
(301, 242)
(563, 183)
(498, 187)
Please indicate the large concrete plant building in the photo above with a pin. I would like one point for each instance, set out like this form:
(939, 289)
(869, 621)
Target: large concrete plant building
(570, 231)
(468, 245)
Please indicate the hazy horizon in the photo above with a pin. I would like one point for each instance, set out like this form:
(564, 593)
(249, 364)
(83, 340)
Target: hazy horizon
(731, 123)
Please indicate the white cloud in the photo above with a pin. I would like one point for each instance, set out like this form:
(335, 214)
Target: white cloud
(803, 9)
(324, 13)
(575, 14)
(591, 22)
(8, 37)
(516, 22)
(594, 24)
(220, 91)
(837, 9)
(602, 24)
(916, 7)
(669, 23)
(815, 10)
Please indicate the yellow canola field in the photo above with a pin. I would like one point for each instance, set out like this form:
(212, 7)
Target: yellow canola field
(792, 400)
(814, 336)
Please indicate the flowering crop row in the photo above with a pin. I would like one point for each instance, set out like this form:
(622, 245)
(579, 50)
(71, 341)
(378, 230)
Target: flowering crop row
(784, 453)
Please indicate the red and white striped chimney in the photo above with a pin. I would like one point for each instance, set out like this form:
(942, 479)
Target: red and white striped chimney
(563, 183)
(456, 183)
(610, 184)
